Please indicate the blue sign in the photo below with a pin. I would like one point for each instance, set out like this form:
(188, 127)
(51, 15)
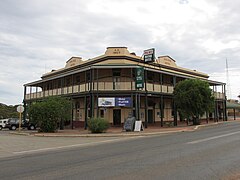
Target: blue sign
(123, 101)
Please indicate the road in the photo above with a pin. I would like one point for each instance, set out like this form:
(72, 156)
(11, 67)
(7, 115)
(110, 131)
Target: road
(209, 153)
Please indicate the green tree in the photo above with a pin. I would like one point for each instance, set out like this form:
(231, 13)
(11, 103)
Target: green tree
(8, 111)
(50, 113)
(193, 98)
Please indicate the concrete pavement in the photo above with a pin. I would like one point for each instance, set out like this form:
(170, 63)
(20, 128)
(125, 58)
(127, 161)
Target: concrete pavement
(118, 132)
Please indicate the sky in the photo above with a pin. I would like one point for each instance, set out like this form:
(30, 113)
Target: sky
(37, 36)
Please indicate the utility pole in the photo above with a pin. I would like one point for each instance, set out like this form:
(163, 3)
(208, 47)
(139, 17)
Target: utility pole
(229, 94)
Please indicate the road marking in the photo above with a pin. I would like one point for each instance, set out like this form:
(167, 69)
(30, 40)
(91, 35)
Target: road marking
(211, 138)
(71, 146)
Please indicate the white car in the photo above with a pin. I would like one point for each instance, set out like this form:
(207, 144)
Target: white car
(3, 123)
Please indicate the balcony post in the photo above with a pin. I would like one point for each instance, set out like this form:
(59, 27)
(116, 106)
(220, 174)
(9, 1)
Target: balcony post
(161, 109)
(97, 96)
(86, 112)
(146, 110)
(136, 106)
(174, 104)
(91, 94)
(225, 102)
(161, 81)
(30, 92)
(24, 103)
(72, 84)
(146, 99)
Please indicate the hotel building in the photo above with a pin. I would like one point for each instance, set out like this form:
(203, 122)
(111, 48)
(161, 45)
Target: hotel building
(108, 86)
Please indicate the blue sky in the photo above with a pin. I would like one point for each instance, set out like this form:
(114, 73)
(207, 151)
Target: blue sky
(37, 36)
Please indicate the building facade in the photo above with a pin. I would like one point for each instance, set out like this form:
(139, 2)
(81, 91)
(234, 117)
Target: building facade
(119, 84)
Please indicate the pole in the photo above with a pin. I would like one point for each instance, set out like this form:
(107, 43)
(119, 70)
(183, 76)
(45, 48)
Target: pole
(20, 121)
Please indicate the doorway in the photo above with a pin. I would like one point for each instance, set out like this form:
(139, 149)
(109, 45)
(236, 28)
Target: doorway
(116, 117)
(150, 116)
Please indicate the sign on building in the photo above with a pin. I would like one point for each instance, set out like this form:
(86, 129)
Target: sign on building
(139, 77)
(115, 101)
(149, 55)
(106, 102)
(123, 101)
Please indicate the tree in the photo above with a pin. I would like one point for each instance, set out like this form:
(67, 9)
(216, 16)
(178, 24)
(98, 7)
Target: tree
(50, 113)
(8, 111)
(193, 98)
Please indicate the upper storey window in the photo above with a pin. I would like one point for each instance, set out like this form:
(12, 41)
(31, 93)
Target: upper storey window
(116, 72)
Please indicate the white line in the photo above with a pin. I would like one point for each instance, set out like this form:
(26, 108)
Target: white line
(211, 138)
(69, 146)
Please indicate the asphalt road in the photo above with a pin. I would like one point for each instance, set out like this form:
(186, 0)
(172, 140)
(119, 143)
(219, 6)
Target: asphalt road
(209, 153)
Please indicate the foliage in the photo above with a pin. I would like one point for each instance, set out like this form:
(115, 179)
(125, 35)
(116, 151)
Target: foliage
(8, 111)
(193, 98)
(98, 125)
(49, 113)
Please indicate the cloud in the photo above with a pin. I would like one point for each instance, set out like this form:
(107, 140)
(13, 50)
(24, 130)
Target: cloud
(38, 36)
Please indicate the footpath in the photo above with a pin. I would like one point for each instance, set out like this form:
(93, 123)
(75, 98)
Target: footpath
(118, 132)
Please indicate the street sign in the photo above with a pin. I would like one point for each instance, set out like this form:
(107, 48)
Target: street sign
(139, 77)
(20, 109)
(149, 55)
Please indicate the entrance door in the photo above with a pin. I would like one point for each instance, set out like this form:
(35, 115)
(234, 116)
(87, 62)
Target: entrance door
(150, 116)
(116, 117)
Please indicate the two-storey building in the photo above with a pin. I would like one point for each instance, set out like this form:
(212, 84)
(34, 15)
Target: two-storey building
(108, 86)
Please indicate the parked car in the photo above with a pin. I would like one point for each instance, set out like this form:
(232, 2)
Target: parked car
(13, 124)
(3, 123)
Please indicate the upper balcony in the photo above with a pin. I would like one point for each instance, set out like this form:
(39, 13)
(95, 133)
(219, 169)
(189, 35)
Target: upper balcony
(98, 86)
(105, 87)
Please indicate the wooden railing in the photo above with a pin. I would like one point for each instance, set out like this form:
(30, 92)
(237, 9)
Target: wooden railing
(106, 86)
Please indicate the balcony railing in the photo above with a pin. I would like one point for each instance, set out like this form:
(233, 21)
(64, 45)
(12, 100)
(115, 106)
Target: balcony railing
(106, 86)
(218, 95)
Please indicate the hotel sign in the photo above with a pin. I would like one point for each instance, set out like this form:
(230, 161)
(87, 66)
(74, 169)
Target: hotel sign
(139, 77)
(149, 55)
(114, 102)
(123, 102)
(106, 102)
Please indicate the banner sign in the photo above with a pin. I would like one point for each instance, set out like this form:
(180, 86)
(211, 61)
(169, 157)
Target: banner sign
(149, 55)
(139, 77)
(123, 101)
(106, 102)
(112, 102)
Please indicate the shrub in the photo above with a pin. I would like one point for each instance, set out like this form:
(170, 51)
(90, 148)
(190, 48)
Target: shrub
(98, 125)
(49, 113)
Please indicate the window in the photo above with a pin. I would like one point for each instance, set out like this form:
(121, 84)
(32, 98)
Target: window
(133, 74)
(59, 83)
(116, 72)
(116, 78)
(77, 105)
(77, 79)
(88, 76)
(116, 82)
(101, 113)
(150, 76)
(68, 81)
